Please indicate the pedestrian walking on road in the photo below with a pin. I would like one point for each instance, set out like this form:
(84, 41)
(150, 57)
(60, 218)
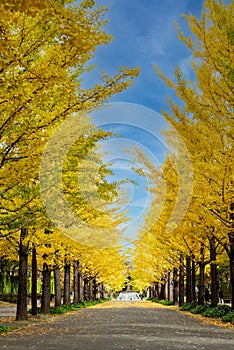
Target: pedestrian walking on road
(221, 301)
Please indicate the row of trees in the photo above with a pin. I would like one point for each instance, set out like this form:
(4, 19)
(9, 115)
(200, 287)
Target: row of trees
(85, 272)
(46, 47)
(205, 122)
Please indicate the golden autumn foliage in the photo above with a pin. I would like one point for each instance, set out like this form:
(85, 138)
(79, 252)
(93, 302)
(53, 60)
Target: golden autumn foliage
(45, 48)
(204, 121)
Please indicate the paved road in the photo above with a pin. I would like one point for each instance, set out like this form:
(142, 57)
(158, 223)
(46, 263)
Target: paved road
(121, 325)
(8, 310)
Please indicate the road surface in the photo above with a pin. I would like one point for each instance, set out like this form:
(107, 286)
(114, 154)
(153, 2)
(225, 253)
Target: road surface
(121, 325)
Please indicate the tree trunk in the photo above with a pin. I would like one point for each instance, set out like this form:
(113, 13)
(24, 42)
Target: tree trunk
(86, 289)
(232, 280)
(201, 287)
(231, 259)
(102, 290)
(91, 296)
(189, 296)
(2, 280)
(75, 282)
(157, 290)
(201, 291)
(80, 284)
(66, 291)
(214, 274)
(153, 291)
(21, 312)
(95, 289)
(181, 282)
(175, 285)
(168, 285)
(162, 290)
(45, 300)
(57, 287)
(34, 281)
(194, 296)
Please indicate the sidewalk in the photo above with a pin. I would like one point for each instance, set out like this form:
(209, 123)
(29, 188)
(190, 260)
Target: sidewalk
(8, 317)
(7, 309)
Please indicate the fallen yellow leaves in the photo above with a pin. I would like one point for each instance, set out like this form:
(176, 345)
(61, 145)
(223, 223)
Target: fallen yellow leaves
(115, 304)
(209, 320)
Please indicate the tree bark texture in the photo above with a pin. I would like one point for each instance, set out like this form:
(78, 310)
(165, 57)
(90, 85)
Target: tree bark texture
(194, 296)
(214, 274)
(181, 282)
(57, 287)
(45, 300)
(34, 281)
(201, 288)
(75, 282)
(21, 311)
(189, 296)
(67, 290)
(231, 259)
(175, 285)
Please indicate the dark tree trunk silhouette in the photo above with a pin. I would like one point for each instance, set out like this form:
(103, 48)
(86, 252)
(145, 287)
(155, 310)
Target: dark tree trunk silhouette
(91, 296)
(86, 289)
(181, 282)
(45, 300)
(231, 259)
(194, 296)
(162, 290)
(80, 284)
(75, 282)
(67, 287)
(175, 286)
(168, 285)
(189, 296)
(21, 312)
(214, 273)
(150, 292)
(34, 281)
(95, 289)
(201, 287)
(57, 287)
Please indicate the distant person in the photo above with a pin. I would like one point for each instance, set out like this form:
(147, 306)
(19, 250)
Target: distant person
(221, 296)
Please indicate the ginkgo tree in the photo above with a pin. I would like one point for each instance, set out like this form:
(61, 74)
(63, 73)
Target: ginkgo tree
(204, 120)
(43, 56)
(45, 50)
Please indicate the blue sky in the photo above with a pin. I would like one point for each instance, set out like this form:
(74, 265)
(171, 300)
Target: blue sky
(143, 35)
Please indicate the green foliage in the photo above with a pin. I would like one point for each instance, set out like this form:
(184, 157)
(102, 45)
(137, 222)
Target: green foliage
(200, 309)
(59, 310)
(188, 306)
(6, 329)
(79, 305)
(162, 301)
(229, 317)
(222, 311)
(38, 310)
(218, 311)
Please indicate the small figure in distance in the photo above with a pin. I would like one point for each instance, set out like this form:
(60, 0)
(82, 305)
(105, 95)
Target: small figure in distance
(221, 301)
